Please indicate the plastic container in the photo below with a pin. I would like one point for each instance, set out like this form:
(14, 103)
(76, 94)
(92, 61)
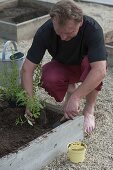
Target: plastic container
(76, 152)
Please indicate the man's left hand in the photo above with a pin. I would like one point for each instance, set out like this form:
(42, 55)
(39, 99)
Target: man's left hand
(72, 108)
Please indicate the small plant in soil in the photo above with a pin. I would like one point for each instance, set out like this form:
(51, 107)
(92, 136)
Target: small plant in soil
(20, 121)
(12, 92)
(34, 104)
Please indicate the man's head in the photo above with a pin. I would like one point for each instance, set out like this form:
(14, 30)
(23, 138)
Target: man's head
(67, 19)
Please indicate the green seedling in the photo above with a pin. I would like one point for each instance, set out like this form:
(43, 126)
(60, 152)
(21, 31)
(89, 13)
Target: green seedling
(19, 121)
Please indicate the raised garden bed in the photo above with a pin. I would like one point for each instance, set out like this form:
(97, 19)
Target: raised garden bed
(20, 19)
(14, 133)
(29, 148)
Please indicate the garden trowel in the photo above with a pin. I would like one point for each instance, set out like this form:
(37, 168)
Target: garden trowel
(59, 122)
(43, 119)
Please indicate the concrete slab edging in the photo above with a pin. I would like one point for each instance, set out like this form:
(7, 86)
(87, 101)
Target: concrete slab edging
(45, 148)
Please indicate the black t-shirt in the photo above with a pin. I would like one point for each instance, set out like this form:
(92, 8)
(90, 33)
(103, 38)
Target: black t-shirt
(89, 41)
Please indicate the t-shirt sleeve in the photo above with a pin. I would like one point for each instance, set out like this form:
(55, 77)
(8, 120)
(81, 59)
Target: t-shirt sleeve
(37, 49)
(96, 45)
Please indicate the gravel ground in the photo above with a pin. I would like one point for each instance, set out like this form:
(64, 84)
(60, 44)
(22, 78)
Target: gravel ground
(99, 154)
(100, 12)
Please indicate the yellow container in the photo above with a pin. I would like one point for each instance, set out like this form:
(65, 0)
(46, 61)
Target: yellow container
(76, 152)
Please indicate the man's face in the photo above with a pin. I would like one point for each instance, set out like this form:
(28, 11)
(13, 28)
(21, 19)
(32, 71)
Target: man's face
(68, 31)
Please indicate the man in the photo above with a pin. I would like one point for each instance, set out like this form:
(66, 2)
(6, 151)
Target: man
(77, 47)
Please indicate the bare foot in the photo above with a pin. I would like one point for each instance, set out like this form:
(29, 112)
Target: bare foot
(89, 123)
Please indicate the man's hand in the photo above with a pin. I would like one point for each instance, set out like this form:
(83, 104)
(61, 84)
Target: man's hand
(28, 116)
(72, 108)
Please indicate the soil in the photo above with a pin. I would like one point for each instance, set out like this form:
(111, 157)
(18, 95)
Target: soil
(13, 136)
(23, 13)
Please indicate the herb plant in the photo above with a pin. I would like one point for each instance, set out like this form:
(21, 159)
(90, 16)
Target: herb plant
(12, 91)
(9, 80)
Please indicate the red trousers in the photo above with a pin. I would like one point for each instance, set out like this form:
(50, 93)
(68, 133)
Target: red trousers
(56, 77)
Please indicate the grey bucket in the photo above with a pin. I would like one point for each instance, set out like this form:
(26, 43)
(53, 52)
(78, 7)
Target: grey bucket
(6, 57)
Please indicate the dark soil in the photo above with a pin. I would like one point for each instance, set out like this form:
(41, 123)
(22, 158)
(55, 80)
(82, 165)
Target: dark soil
(13, 136)
(23, 13)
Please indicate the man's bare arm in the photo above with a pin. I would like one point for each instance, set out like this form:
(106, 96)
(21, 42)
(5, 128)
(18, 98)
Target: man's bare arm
(27, 72)
(93, 79)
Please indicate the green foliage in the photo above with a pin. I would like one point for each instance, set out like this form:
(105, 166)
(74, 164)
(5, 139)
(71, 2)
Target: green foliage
(21, 98)
(19, 121)
(11, 90)
(34, 104)
(9, 79)
(37, 78)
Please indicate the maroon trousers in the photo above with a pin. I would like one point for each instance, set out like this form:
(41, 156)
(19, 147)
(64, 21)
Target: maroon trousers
(56, 77)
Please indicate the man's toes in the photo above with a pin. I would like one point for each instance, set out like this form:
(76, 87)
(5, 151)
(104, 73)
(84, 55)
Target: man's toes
(89, 123)
(89, 130)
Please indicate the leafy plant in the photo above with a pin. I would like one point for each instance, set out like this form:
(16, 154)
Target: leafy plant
(9, 79)
(34, 104)
(37, 78)
(11, 90)
(20, 121)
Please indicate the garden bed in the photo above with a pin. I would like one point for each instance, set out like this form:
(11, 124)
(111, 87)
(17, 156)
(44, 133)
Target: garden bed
(20, 19)
(16, 132)
(23, 12)
(30, 148)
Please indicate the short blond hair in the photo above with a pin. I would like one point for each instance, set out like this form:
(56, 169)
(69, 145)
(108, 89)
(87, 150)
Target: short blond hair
(66, 10)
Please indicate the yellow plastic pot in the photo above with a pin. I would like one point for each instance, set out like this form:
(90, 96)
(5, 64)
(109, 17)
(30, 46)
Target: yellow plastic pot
(76, 152)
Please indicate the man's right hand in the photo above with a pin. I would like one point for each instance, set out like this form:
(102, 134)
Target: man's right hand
(28, 115)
